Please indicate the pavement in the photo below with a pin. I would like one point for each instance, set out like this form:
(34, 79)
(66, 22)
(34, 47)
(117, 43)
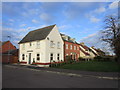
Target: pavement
(77, 73)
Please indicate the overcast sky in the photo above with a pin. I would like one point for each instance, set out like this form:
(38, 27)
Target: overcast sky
(80, 20)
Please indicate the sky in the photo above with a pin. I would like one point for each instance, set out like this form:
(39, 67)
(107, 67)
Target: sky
(80, 20)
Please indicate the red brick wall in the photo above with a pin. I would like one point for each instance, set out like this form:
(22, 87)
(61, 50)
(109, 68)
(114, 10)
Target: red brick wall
(13, 59)
(69, 51)
(6, 47)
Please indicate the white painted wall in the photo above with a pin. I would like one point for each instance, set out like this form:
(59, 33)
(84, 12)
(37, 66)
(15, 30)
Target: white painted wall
(56, 37)
(34, 50)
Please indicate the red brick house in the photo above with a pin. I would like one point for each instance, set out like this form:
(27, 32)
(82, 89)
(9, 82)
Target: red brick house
(71, 48)
(6, 46)
(8, 52)
(12, 57)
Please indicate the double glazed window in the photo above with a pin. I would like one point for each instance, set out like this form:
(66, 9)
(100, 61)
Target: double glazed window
(58, 45)
(66, 46)
(58, 56)
(51, 56)
(71, 47)
(38, 44)
(30, 44)
(23, 56)
(38, 56)
(23, 46)
(74, 47)
(52, 44)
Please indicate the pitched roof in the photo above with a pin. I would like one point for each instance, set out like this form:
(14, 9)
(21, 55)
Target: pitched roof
(84, 46)
(2, 43)
(38, 34)
(68, 39)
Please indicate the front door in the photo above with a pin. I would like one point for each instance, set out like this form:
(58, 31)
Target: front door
(29, 61)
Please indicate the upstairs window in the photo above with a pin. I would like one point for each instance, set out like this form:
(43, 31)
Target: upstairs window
(71, 47)
(38, 44)
(30, 44)
(23, 56)
(23, 46)
(58, 45)
(52, 44)
(38, 56)
(66, 46)
(74, 47)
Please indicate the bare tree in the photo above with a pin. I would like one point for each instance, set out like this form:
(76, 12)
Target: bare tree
(111, 34)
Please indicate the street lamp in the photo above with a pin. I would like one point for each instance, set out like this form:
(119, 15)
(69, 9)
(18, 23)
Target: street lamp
(9, 49)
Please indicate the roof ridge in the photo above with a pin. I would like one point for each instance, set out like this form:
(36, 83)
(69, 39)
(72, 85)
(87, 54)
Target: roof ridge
(43, 28)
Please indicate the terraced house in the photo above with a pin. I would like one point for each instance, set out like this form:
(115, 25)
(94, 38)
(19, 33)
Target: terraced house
(42, 47)
(71, 48)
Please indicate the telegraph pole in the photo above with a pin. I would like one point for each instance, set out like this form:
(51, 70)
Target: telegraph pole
(9, 49)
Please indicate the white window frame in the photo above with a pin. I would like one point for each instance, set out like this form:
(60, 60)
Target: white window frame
(58, 56)
(58, 45)
(30, 44)
(74, 47)
(71, 47)
(51, 56)
(23, 46)
(38, 44)
(52, 44)
(66, 46)
(38, 56)
(23, 56)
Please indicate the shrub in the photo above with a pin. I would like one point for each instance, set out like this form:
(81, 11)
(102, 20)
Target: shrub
(81, 59)
(103, 58)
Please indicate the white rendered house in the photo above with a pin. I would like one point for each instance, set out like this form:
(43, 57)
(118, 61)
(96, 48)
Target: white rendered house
(42, 47)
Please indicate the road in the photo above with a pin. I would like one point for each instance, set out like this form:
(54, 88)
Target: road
(19, 77)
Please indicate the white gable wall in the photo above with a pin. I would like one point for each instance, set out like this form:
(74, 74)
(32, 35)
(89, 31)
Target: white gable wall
(56, 37)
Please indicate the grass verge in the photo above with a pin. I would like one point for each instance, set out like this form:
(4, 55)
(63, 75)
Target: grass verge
(93, 66)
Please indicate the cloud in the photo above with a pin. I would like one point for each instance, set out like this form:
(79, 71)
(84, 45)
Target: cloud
(11, 20)
(22, 25)
(35, 21)
(94, 19)
(113, 5)
(46, 17)
(24, 29)
(64, 27)
(100, 10)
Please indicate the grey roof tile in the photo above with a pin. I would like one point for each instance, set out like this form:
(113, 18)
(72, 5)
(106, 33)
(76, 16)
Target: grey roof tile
(38, 34)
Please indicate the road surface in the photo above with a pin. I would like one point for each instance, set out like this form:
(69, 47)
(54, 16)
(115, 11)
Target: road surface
(19, 77)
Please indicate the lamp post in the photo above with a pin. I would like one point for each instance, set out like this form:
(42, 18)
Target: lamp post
(9, 49)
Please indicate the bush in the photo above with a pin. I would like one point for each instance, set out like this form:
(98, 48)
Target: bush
(81, 59)
(103, 58)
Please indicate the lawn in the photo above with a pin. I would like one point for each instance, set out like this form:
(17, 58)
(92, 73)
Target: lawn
(92, 66)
